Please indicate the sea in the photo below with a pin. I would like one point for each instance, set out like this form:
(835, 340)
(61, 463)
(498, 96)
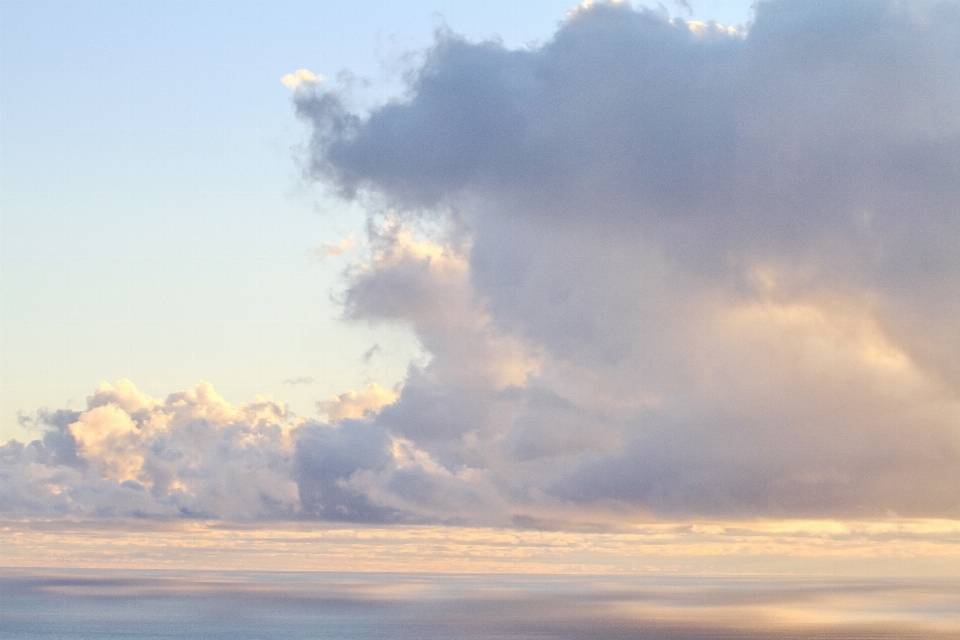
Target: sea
(57, 604)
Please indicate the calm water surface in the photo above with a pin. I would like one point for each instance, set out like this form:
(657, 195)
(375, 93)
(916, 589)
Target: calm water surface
(70, 605)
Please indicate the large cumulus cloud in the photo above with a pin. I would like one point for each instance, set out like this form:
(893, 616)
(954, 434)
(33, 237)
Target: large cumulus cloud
(725, 265)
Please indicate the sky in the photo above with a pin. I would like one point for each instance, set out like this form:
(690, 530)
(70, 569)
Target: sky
(474, 268)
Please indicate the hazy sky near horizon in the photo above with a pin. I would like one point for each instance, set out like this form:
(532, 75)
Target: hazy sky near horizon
(542, 266)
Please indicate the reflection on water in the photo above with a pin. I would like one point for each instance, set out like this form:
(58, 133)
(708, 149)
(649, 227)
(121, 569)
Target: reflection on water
(74, 604)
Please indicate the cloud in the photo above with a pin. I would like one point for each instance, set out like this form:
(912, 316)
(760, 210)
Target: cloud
(355, 405)
(706, 29)
(299, 380)
(424, 283)
(657, 268)
(673, 268)
(191, 455)
(331, 250)
(195, 456)
(300, 78)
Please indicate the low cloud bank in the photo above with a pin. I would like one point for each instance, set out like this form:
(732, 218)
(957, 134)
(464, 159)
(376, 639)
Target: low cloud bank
(192, 455)
(659, 268)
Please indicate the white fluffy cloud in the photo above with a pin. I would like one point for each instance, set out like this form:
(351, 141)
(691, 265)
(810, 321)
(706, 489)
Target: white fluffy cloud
(656, 267)
(190, 455)
(355, 406)
(300, 78)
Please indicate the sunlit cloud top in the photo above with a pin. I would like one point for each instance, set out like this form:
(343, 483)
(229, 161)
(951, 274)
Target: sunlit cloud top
(301, 77)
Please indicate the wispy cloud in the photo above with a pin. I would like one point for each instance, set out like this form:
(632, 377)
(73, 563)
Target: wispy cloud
(334, 250)
(774, 548)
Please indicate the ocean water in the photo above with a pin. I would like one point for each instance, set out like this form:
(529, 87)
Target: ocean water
(179, 605)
